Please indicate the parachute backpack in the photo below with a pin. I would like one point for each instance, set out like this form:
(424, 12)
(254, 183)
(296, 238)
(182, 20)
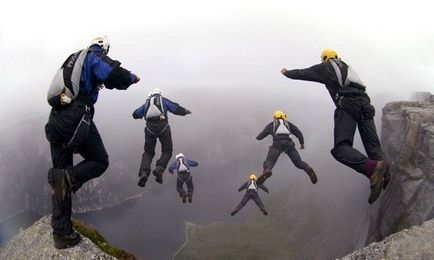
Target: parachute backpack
(67, 78)
(252, 186)
(280, 127)
(352, 76)
(155, 107)
(182, 165)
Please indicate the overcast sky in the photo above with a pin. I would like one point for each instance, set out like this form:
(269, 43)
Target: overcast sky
(218, 44)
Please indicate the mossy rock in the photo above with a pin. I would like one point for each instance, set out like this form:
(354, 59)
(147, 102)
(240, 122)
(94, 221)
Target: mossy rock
(89, 232)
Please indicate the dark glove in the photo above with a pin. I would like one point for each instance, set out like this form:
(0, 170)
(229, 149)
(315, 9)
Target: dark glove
(187, 112)
(134, 78)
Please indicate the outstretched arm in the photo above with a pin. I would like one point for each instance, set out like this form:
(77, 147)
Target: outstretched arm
(268, 130)
(314, 73)
(110, 72)
(175, 108)
(172, 167)
(192, 163)
(139, 112)
(244, 186)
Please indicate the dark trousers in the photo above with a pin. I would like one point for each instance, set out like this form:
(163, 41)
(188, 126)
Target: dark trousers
(346, 122)
(287, 146)
(94, 164)
(152, 133)
(251, 195)
(184, 177)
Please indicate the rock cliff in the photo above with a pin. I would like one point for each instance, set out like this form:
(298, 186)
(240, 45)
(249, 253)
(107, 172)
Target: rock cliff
(36, 242)
(408, 141)
(414, 243)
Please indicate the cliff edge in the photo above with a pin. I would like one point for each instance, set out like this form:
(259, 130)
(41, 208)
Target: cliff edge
(408, 141)
(36, 242)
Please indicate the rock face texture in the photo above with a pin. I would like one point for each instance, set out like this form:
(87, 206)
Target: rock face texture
(36, 242)
(414, 243)
(408, 141)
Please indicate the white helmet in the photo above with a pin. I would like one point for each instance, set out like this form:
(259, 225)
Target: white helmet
(103, 42)
(154, 91)
(179, 155)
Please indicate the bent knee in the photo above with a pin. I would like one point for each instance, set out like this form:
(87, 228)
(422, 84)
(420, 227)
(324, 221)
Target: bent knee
(103, 164)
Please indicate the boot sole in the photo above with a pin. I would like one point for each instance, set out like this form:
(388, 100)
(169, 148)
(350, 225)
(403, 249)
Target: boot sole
(263, 178)
(66, 244)
(142, 181)
(313, 178)
(377, 189)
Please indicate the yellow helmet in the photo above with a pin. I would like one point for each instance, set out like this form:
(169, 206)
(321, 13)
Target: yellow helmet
(327, 54)
(252, 177)
(279, 115)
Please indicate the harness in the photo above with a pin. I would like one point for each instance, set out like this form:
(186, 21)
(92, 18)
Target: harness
(67, 78)
(352, 76)
(159, 133)
(81, 131)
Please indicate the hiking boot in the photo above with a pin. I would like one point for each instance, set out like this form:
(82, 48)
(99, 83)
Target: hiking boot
(58, 180)
(190, 199)
(158, 173)
(267, 174)
(377, 181)
(234, 212)
(142, 180)
(264, 211)
(65, 241)
(311, 173)
(184, 199)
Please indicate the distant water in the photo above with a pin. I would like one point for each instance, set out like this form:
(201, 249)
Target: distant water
(153, 227)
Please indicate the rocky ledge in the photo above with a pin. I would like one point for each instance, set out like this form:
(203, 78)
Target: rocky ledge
(408, 141)
(36, 242)
(414, 243)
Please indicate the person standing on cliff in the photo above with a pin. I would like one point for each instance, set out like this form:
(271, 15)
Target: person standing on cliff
(70, 128)
(353, 110)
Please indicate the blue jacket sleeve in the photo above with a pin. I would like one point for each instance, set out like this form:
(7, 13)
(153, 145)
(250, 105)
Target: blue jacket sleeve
(139, 112)
(192, 163)
(172, 167)
(100, 68)
(174, 108)
(110, 72)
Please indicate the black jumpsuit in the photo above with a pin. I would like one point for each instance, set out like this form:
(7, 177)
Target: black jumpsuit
(283, 143)
(353, 110)
(62, 125)
(251, 194)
